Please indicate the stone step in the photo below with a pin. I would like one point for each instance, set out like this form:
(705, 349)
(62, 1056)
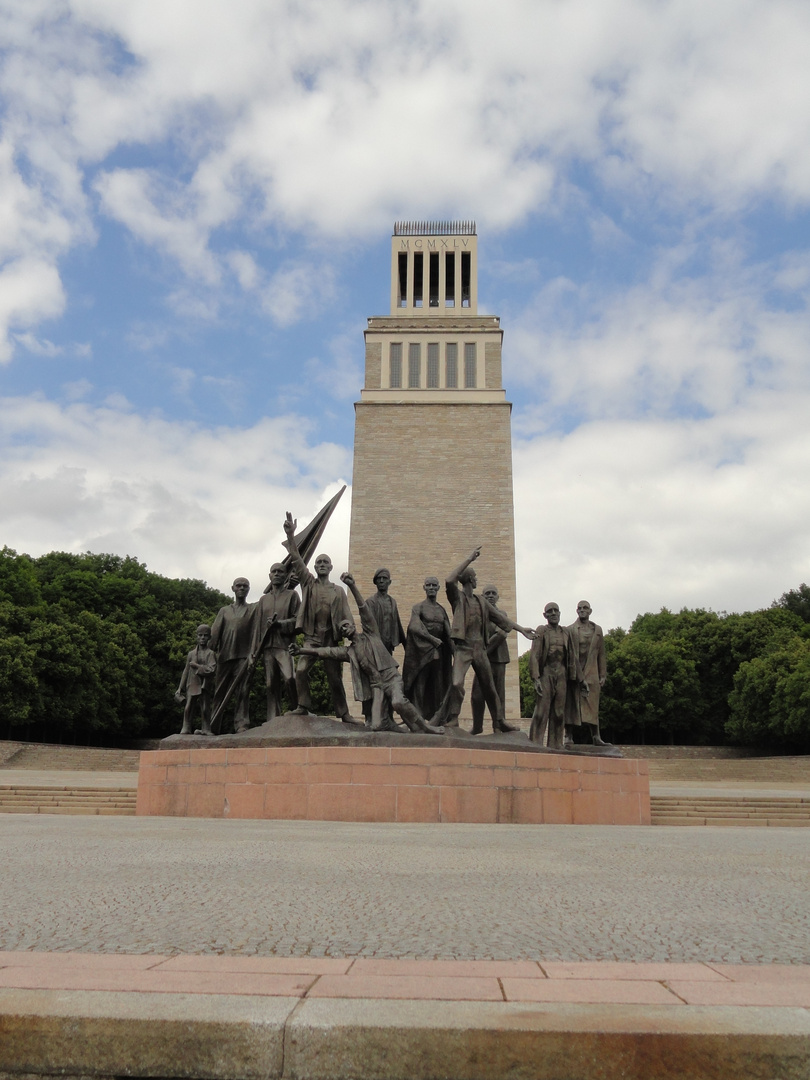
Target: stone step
(82, 758)
(730, 810)
(48, 800)
(755, 823)
(703, 807)
(768, 770)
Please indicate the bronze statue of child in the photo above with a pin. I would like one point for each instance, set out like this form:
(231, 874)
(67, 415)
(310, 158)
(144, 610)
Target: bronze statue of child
(197, 683)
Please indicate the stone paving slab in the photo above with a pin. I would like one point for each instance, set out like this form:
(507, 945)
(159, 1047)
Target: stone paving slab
(439, 980)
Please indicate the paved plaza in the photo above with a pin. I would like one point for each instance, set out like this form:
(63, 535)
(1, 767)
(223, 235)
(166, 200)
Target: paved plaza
(460, 892)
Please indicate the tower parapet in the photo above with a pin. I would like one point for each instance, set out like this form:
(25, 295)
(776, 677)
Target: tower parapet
(434, 346)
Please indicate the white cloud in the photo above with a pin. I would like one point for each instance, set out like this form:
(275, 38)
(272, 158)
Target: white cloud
(160, 218)
(30, 290)
(665, 457)
(672, 344)
(296, 290)
(38, 346)
(635, 515)
(188, 501)
(335, 118)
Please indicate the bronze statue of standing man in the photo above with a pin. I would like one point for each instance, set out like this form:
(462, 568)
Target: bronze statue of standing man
(498, 653)
(473, 618)
(324, 609)
(276, 613)
(231, 640)
(552, 665)
(589, 646)
(428, 652)
(384, 608)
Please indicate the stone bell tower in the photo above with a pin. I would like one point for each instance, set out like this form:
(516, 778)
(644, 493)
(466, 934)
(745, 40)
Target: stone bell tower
(432, 443)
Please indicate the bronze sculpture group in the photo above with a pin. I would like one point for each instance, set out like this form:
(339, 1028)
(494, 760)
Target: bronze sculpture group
(566, 664)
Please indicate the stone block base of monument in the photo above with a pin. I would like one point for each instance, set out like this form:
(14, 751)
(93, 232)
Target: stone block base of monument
(400, 779)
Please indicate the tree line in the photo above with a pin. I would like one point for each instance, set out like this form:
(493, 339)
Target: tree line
(708, 678)
(92, 647)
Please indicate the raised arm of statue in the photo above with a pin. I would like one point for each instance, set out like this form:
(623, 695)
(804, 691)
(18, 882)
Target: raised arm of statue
(367, 620)
(454, 575)
(299, 567)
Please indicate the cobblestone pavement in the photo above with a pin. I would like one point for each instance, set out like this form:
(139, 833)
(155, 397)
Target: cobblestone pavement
(429, 891)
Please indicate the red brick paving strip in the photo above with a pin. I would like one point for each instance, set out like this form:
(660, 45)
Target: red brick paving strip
(442, 980)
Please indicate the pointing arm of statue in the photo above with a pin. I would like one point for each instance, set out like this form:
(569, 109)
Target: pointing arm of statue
(459, 570)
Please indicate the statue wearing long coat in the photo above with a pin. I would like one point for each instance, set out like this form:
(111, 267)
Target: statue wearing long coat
(581, 708)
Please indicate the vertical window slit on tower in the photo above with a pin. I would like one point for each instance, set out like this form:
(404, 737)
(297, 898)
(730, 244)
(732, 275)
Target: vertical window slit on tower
(433, 283)
(450, 279)
(465, 279)
(470, 379)
(414, 364)
(418, 278)
(451, 365)
(433, 364)
(395, 364)
(403, 278)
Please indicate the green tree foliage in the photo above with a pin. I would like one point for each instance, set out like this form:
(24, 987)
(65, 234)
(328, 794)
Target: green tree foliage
(92, 646)
(797, 601)
(716, 643)
(527, 691)
(770, 702)
(652, 686)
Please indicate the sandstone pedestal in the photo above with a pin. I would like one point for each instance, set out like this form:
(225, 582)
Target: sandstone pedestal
(321, 770)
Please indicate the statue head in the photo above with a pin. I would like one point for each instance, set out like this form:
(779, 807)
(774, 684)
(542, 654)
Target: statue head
(584, 610)
(492, 594)
(240, 587)
(431, 587)
(348, 630)
(278, 575)
(323, 566)
(203, 635)
(382, 579)
(551, 613)
(469, 577)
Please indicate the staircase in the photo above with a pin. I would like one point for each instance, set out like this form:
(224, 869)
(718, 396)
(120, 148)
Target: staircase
(774, 811)
(18, 799)
(769, 770)
(57, 796)
(75, 758)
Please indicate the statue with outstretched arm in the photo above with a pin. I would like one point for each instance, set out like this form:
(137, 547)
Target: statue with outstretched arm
(375, 673)
(473, 619)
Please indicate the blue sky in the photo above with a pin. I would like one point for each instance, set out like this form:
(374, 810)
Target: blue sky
(196, 201)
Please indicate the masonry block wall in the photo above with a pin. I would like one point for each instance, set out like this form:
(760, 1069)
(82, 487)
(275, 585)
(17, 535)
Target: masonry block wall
(430, 483)
(417, 784)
